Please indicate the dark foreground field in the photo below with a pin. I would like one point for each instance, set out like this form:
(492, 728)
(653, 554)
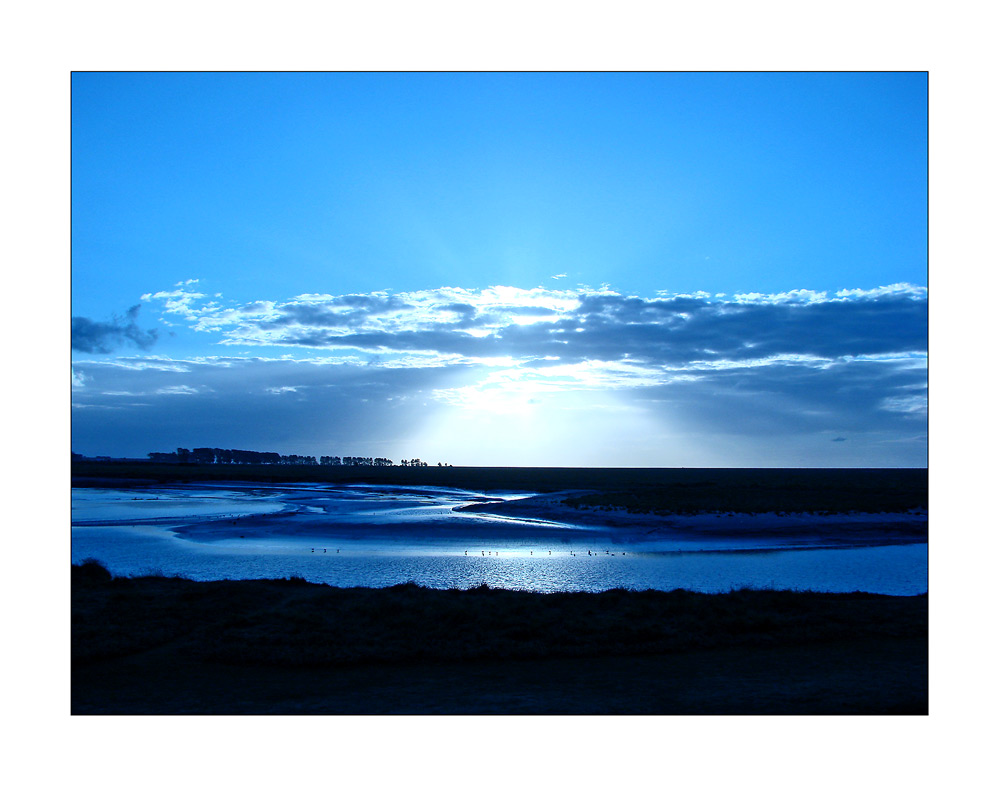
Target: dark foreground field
(674, 490)
(156, 645)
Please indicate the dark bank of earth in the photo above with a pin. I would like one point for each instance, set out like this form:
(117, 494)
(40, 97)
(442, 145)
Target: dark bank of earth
(671, 490)
(155, 645)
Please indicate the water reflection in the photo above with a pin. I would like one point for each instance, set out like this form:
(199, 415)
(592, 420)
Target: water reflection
(377, 537)
(132, 505)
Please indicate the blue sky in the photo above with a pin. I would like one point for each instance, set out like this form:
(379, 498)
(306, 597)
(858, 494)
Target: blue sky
(532, 269)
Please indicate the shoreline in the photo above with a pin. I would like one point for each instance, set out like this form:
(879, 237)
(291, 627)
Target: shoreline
(538, 512)
(306, 508)
(882, 527)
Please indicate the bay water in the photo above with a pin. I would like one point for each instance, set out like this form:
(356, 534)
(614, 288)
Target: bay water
(378, 536)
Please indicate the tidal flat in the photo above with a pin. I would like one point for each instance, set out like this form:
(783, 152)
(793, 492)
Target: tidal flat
(365, 535)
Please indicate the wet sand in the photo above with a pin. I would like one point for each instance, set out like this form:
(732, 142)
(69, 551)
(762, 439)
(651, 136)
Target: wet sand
(835, 529)
(823, 507)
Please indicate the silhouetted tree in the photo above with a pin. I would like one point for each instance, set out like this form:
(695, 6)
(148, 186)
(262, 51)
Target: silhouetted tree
(204, 456)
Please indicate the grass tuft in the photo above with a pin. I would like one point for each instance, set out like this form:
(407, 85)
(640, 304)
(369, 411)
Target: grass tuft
(91, 570)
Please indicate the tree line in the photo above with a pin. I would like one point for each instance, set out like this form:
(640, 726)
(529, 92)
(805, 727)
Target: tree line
(235, 456)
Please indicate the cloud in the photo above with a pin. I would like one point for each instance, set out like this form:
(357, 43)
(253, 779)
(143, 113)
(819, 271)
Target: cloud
(580, 325)
(864, 344)
(89, 336)
(757, 368)
(909, 404)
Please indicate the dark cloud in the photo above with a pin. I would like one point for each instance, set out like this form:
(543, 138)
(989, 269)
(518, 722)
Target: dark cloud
(374, 303)
(660, 332)
(441, 340)
(89, 336)
(633, 309)
(308, 314)
(466, 315)
(464, 309)
(793, 398)
(687, 330)
(676, 331)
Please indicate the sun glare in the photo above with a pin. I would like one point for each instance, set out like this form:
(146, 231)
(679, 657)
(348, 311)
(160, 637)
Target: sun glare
(560, 416)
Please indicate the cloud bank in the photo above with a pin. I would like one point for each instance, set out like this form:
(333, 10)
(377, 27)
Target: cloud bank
(794, 378)
(573, 326)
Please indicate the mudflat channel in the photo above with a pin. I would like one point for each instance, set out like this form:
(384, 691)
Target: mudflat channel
(834, 530)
